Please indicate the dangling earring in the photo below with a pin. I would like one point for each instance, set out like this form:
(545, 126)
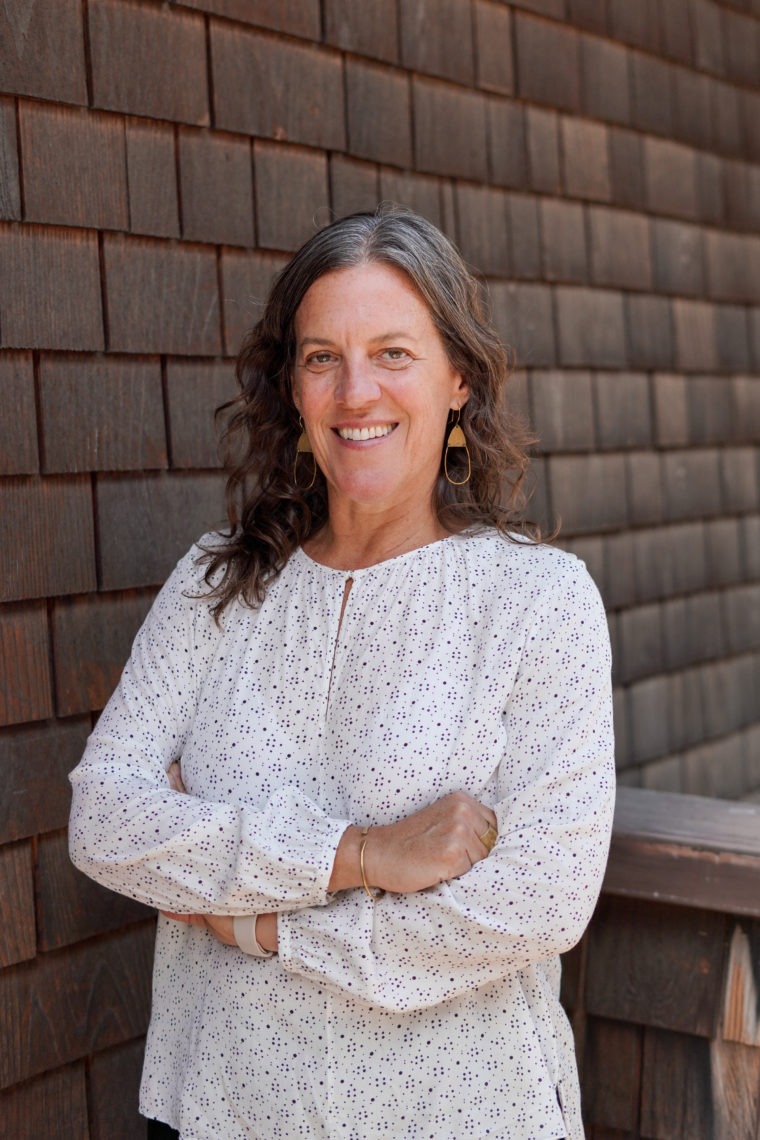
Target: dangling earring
(456, 439)
(303, 447)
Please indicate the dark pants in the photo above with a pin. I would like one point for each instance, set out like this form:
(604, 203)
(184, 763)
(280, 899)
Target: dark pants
(160, 1131)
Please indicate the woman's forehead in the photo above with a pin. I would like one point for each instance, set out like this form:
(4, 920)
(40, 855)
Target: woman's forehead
(366, 294)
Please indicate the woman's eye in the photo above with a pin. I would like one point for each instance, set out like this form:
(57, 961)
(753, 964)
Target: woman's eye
(319, 359)
(395, 355)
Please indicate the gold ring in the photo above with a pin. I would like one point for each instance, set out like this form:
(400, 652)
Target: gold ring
(489, 837)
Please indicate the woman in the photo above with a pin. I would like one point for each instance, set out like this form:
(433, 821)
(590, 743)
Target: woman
(372, 676)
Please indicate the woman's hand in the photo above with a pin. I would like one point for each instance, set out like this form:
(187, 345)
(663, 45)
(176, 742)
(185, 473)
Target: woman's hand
(220, 925)
(437, 843)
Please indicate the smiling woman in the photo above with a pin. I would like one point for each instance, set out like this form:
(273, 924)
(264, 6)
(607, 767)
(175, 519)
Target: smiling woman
(361, 757)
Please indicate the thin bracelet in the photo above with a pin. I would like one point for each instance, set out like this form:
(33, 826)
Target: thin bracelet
(244, 929)
(371, 891)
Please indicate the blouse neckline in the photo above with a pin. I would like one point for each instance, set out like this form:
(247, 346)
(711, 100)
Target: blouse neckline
(385, 563)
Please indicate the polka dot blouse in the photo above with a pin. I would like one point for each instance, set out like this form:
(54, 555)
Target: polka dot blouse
(474, 663)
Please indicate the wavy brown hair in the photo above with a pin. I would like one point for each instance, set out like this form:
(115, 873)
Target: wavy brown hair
(269, 514)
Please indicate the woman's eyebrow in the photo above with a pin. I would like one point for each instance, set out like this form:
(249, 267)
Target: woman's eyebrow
(313, 340)
(396, 334)
(403, 334)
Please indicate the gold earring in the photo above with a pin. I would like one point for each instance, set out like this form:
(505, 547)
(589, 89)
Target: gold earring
(456, 439)
(303, 447)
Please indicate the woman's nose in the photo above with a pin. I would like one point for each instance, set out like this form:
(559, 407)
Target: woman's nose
(357, 385)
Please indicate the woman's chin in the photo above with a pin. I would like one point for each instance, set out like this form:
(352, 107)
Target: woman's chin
(367, 489)
(362, 493)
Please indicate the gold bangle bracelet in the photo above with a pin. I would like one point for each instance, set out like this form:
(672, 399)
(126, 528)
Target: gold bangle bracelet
(373, 894)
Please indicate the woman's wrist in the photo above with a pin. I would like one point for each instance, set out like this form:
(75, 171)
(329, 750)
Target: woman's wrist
(266, 932)
(357, 860)
(373, 892)
(346, 873)
(245, 930)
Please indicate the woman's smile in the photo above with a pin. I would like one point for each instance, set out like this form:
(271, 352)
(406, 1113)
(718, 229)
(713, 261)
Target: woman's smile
(365, 432)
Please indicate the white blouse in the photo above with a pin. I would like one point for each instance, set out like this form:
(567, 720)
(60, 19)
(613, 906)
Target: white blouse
(474, 663)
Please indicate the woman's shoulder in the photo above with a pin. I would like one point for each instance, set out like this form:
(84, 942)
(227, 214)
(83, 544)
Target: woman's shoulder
(533, 571)
(188, 586)
(189, 570)
(515, 550)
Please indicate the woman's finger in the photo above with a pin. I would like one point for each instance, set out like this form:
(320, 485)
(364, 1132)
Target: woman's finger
(174, 776)
(188, 919)
(488, 838)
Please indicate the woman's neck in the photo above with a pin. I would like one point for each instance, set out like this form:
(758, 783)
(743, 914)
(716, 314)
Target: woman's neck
(354, 539)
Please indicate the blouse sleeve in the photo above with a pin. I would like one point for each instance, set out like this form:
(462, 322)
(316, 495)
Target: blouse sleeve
(132, 833)
(533, 896)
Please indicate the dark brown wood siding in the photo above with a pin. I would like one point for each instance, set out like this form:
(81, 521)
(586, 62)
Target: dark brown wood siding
(598, 161)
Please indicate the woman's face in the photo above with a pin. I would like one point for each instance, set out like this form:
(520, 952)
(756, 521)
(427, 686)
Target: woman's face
(374, 386)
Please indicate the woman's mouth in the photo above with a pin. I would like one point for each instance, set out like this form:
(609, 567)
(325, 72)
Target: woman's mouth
(357, 434)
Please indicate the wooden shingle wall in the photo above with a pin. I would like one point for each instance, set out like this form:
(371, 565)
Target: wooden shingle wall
(598, 161)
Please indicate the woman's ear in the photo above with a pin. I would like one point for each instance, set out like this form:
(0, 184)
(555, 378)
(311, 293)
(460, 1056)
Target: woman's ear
(294, 394)
(461, 392)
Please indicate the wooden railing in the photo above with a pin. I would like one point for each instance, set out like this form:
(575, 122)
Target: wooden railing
(664, 990)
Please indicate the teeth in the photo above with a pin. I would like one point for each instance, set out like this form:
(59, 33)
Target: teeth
(365, 432)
